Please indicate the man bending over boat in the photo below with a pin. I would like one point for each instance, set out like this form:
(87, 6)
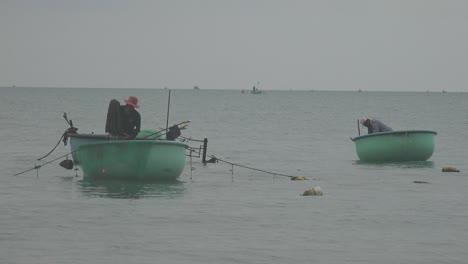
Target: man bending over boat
(374, 125)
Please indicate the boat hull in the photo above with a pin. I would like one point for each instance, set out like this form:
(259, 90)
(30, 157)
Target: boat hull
(396, 146)
(129, 159)
(77, 140)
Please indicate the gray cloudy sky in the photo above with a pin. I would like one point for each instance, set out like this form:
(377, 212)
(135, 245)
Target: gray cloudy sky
(398, 45)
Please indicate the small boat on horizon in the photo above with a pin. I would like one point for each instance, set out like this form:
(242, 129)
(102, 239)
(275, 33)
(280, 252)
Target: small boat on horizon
(256, 92)
(256, 89)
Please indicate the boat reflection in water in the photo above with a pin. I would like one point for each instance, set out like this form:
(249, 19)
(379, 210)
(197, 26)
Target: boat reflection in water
(393, 165)
(131, 189)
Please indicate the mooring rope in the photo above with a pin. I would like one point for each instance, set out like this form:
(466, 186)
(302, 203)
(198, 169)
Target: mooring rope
(71, 130)
(244, 166)
(37, 167)
(251, 168)
(50, 152)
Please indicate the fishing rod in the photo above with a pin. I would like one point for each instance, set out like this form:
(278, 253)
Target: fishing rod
(181, 126)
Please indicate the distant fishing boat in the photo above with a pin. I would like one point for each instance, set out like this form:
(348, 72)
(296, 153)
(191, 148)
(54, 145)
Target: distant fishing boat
(196, 88)
(101, 156)
(396, 146)
(256, 92)
(256, 89)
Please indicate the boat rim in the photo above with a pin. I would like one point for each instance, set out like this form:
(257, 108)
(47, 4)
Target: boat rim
(154, 141)
(394, 132)
(112, 140)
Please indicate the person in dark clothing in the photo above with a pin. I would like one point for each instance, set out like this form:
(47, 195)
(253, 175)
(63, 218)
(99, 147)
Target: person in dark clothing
(131, 118)
(123, 121)
(374, 125)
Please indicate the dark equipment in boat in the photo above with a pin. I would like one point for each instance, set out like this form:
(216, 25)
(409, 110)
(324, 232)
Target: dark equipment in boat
(173, 133)
(114, 121)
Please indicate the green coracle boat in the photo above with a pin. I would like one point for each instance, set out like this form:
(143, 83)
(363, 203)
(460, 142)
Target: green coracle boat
(101, 156)
(396, 146)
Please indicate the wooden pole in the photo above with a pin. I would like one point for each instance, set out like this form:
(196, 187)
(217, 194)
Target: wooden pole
(358, 128)
(205, 145)
(168, 106)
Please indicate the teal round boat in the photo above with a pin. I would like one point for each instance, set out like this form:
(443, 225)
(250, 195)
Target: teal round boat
(132, 159)
(396, 146)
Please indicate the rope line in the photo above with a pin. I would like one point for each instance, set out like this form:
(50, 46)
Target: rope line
(244, 166)
(39, 166)
(50, 152)
(251, 168)
(71, 130)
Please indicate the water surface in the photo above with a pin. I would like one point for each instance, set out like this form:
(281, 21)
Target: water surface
(369, 213)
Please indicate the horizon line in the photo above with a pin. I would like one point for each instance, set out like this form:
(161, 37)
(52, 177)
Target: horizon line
(166, 88)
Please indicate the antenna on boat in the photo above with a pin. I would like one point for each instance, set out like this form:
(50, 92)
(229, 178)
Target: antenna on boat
(168, 106)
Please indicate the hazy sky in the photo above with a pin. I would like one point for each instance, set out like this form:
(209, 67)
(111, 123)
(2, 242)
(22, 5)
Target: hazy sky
(400, 45)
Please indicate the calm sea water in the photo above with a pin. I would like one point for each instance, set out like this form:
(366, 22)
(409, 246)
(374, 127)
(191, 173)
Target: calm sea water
(368, 214)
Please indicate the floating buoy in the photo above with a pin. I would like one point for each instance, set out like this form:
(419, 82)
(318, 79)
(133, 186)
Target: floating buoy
(298, 178)
(316, 191)
(450, 169)
(67, 164)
